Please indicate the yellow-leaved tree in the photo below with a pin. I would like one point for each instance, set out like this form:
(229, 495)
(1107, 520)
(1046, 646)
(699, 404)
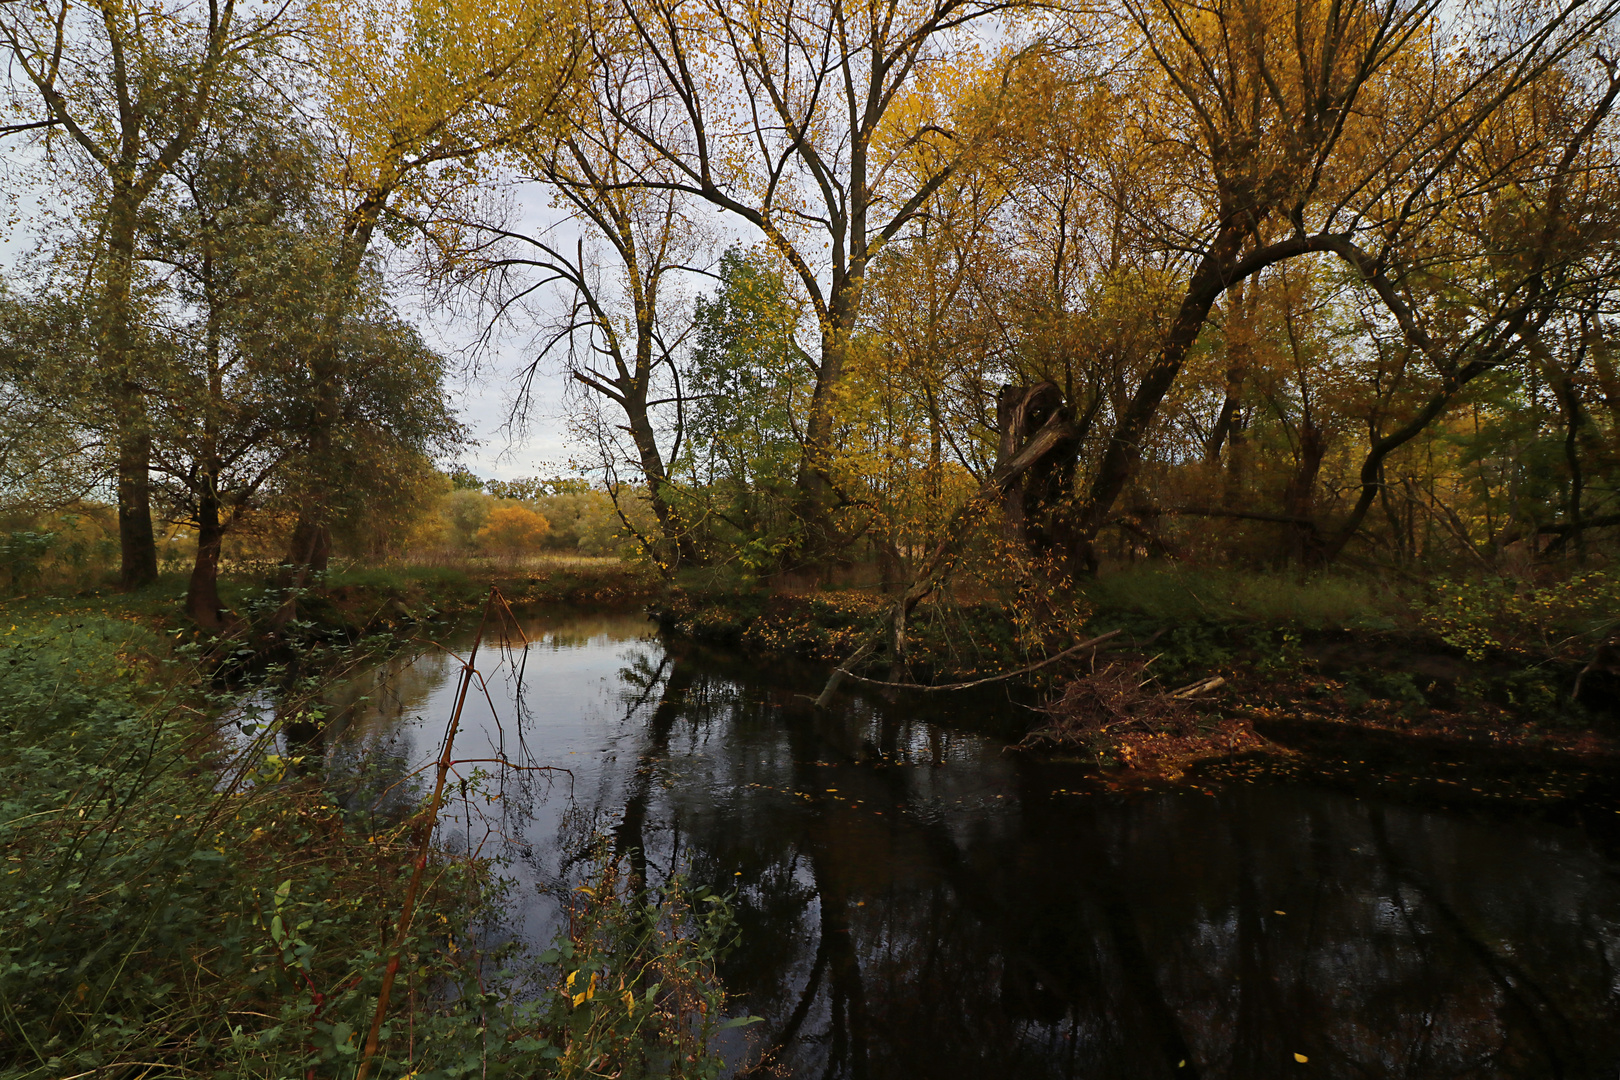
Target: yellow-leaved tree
(513, 530)
(416, 94)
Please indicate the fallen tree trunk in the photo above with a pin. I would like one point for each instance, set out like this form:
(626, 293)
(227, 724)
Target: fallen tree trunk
(925, 688)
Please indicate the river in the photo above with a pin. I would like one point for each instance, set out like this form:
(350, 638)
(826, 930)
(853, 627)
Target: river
(916, 902)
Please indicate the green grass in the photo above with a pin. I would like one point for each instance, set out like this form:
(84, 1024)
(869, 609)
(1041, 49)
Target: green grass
(1176, 595)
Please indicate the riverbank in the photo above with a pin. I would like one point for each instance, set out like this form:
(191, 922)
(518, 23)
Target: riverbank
(1208, 667)
(1304, 665)
(1203, 667)
(185, 895)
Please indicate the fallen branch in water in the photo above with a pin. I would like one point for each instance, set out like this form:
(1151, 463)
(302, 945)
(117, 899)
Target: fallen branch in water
(926, 688)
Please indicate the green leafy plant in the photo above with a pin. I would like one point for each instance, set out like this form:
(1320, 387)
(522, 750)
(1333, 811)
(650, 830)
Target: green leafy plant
(1492, 614)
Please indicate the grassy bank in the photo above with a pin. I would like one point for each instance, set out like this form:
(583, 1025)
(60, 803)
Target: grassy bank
(178, 903)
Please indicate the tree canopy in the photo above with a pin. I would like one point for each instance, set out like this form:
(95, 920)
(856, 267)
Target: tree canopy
(1277, 282)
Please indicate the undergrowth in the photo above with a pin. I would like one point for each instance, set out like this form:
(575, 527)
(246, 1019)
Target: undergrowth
(178, 907)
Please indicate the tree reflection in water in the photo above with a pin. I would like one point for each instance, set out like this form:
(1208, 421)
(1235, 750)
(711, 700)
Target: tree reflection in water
(915, 902)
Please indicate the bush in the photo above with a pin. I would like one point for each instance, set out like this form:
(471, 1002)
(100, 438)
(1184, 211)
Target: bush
(513, 530)
(64, 547)
(1489, 614)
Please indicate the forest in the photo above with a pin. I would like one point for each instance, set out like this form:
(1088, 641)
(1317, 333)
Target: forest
(1267, 285)
(1216, 383)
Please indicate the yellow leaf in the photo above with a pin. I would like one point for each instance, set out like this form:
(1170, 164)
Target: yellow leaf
(1301, 1058)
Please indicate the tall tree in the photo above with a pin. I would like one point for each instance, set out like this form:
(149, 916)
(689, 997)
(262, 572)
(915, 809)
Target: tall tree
(244, 235)
(416, 92)
(619, 272)
(127, 86)
(747, 385)
(826, 127)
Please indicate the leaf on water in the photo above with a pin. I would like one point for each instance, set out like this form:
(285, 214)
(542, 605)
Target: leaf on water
(1301, 1058)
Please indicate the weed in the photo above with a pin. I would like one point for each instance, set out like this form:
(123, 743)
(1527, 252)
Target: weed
(199, 913)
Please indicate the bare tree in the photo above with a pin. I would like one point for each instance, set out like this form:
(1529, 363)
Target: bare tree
(822, 125)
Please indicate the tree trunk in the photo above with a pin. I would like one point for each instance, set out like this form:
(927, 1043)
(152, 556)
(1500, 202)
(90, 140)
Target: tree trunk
(202, 594)
(1239, 347)
(137, 547)
(1372, 468)
(816, 495)
(1303, 545)
(676, 535)
(311, 542)
(1124, 450)
(1574, 418)
(1020, 411)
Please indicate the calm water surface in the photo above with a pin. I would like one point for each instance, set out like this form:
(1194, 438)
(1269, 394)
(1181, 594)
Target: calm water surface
(916, 903)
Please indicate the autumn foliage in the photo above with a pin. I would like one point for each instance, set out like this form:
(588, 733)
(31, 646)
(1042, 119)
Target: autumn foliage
(513, 530)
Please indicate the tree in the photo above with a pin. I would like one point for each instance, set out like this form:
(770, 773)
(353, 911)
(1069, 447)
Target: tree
(245, 230)
(51, 451)
(748, 382)
(512, 530)
(416, 92)
(241, 232)
(615, 328)
(1244, 137)
(128, 86)
(826, 127)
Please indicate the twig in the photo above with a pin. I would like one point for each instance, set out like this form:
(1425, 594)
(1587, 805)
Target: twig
(424, 840)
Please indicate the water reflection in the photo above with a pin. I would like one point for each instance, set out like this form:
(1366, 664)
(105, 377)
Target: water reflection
(917, 903)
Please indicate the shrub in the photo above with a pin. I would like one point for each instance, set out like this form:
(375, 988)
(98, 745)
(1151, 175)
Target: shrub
(1489, 614)
(513, 530)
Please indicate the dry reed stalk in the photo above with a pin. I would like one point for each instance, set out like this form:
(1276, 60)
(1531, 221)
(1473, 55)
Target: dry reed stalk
(424, 838)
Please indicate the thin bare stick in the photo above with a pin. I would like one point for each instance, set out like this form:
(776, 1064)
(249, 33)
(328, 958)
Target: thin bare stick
(1202, 686)
(424, 840)
(925, 688)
